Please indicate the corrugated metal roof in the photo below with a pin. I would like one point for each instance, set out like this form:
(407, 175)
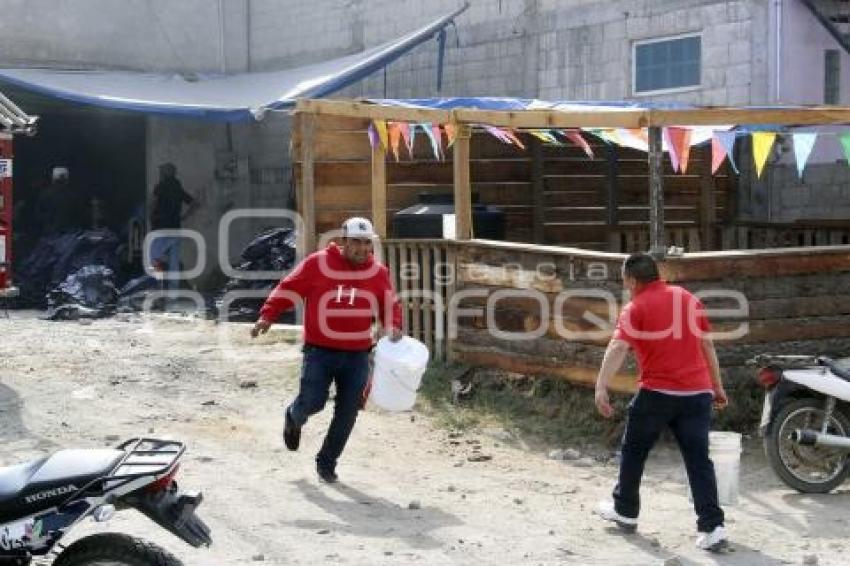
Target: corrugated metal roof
(13, 120)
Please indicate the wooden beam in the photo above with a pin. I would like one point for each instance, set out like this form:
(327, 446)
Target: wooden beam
(609, 118)
(306, 206)
(356, 109)
(657, 244)
(812, 115)
(615, 118)
(462, 184)
(538, 215)
(379, 190)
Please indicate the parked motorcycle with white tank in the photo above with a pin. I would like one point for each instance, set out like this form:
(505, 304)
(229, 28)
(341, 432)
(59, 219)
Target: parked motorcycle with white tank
(805, 420)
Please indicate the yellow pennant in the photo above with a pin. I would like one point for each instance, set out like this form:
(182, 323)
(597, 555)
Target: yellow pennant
(762, 144)
(381, 126)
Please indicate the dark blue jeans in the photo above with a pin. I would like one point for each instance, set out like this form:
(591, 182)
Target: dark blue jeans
(349, 371)
(689, 418)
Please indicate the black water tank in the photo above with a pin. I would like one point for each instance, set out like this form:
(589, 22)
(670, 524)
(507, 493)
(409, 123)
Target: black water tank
(425, 220)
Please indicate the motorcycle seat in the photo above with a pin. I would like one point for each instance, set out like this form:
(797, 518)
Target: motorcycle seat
(840, 370)
(41, 484)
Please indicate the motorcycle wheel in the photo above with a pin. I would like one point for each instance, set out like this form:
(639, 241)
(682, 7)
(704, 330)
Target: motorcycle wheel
(114, 549)
(808, 469)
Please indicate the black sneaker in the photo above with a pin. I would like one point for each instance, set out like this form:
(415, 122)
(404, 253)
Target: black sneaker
(327, 475)
(291, 433)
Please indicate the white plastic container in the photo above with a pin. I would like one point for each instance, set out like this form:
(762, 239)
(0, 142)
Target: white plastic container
(724, 448)
(397, 373)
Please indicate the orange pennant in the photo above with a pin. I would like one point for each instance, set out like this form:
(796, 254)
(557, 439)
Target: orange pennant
(680, 143)
(394, 130)
(451, 133)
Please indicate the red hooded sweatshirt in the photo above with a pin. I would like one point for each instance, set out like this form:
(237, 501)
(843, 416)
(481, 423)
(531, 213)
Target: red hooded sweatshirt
(341, 299)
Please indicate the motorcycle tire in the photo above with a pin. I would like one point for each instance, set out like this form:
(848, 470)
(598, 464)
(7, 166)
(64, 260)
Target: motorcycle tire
(115, 548)
(771, 448)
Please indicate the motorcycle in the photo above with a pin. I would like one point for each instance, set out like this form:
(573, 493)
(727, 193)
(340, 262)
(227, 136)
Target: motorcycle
(805, 421)
(42, 500)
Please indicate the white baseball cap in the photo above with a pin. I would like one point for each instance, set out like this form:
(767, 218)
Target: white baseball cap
(358, 228)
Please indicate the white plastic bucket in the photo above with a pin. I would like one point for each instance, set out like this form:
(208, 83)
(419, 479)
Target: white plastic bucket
(397, 373)
(724, 449)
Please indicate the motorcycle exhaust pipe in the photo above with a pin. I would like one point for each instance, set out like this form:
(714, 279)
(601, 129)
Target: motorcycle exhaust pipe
(814, 438)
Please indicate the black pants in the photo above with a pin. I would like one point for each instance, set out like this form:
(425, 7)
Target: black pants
(689, 417)
(321, 367)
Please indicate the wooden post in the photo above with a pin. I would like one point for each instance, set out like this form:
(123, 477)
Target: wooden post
(379, 190)
(307, 207)
(707, 202)
(538, 215)
(612, 193)
(657, 243)
(462, 183)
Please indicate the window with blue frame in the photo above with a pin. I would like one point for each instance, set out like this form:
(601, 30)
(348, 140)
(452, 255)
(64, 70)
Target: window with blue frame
(667, 64)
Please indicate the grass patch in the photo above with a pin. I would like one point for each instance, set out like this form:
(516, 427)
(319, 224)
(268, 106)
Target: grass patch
(547, 412)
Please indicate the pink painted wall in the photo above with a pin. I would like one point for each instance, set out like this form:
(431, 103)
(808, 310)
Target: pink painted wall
(802, 72)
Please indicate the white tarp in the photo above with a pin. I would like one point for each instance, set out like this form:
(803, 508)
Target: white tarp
(218, 97)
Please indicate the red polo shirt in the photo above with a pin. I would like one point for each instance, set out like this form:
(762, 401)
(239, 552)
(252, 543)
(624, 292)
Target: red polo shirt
(664, 325)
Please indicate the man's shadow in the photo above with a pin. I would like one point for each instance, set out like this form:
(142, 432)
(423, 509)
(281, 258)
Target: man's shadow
(17, 442)
(363, 515)
(736, 554)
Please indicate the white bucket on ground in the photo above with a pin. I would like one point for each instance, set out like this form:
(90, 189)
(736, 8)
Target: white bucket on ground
(724, 449)
(397, 373)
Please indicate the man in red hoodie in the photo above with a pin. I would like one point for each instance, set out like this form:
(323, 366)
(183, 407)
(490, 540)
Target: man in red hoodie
(343, 288)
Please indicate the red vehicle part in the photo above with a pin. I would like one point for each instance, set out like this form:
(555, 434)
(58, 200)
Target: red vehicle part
(6, 211)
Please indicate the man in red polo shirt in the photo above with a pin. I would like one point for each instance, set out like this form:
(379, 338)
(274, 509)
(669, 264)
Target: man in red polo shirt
(667, 328)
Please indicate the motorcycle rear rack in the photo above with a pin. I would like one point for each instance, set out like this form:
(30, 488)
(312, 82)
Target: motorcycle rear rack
(155, 455)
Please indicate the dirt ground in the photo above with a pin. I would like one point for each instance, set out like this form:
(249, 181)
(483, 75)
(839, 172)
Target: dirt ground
(411, 493)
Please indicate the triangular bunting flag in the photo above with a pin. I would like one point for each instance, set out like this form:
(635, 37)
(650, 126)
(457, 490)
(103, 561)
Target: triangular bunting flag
(726, 141)
(511, 135)
(672, 149)
(576, 138)
(381, 127)
(426, 127)
(680, 140)
(497, 133)
(718, 155)
(545, 136)
(762, 144)
(407, 136)
(413, 128)
(374, 139)
(803, 145)
(451, 133)
(845, 143)
(395, 137)
(438, 135)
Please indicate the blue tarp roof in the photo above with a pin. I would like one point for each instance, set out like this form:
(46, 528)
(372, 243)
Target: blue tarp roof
(233, 98)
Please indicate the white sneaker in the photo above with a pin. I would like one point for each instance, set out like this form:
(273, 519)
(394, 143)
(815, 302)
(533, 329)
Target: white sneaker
(605, 509)
(715, 541)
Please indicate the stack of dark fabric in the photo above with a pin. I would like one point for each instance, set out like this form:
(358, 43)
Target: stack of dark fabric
(134, 293)
(57, 256)
(241, 298)
(87, 293)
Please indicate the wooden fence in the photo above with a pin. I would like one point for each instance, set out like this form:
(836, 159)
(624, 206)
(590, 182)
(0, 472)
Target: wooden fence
(424, 275)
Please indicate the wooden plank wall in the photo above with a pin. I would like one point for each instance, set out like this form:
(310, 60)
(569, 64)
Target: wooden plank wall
(575, 192)
(797, 304)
